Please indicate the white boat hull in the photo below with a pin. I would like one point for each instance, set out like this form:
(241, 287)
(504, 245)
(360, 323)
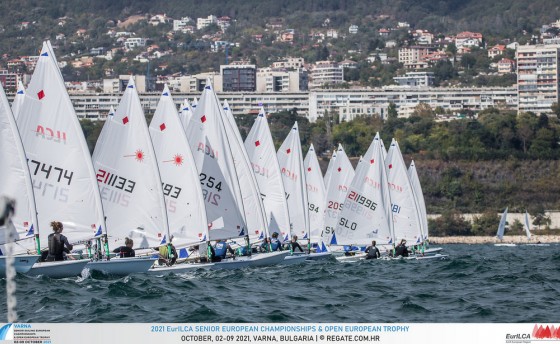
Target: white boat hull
(295, 259)
(61, 269)
(351, 259)
(122, 266)
(262, 259)
(506, 245)
(22, 263)
(319, 256)
(432, 256)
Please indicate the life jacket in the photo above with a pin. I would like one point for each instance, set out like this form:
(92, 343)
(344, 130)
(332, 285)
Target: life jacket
(56, 246)
(220, 249)
(372, 252)
(275, 244)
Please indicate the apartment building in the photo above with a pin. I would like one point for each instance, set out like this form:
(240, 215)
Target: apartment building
(538, 78)
(281, 80)
(239, 78)
(325, 73)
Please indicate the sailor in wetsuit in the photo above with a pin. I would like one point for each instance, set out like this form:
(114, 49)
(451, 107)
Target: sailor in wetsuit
(372, 251)
(401, 249)
(126, 251)
(58, 243)
(295, 244)
(220, 250)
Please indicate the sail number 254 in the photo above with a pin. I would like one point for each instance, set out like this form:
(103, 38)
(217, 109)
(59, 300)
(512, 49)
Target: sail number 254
(210, 182)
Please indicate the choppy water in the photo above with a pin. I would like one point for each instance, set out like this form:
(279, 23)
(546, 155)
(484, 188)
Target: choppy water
(479, 283)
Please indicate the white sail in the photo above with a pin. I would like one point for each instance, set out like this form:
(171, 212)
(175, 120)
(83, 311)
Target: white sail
(18, 100)
(58, 157)
(128, 177)
(339, 182)
(406, 218)
(527, 227)
(327, 177)
(15, 181)
(366, 214)
(415, 182)
(194, 104)
(185, 114)
(316, 194)
(262, 155)
(252, 201)
(290, 160)
(502, 225)
(186, 211)
(212, 154)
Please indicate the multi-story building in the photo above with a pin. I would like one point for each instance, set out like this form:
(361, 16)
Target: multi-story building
(201, 23)
(413, 54)
(325, 73)
(9, 80)
(468, 39)
(181, 24)
(134, 42)
(195, 83)
(416, 79)
(506, 66)
(143, 84)
(538, 77)
(278, 80)
(289, 63)
(239, 78)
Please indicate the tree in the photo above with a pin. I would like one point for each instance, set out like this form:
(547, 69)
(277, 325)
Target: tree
(556, 109)
(392, 111)
(485, 224)
(423, 110)
(451, 222)
(526, 123)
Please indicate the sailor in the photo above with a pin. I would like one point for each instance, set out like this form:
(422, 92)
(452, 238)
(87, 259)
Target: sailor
(401, 249)
(58, 243)
(126, 251)
(372, 251)
(221, 249)
(295, 244)
(275, 244)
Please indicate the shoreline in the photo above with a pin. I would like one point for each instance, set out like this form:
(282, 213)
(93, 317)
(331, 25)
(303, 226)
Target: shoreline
(508, 239)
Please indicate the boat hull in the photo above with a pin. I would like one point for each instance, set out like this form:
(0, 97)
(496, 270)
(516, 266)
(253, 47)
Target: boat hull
(263, 259)
(351, 259)
(295, 259)
(65, 268)
(122, 266)
(22, 263)
(319, 256)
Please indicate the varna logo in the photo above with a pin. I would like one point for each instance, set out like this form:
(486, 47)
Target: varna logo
(546, 332)
(7, 332)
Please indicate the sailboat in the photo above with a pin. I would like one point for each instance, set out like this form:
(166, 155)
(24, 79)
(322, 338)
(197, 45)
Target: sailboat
(406, 216)
(316, 199)
(290, 161)
(255, 215)
(327, 176)
(339, 181)
(501, 230)
(263, 158)
(211, 150)
(366, 213)
(526, 226)
(185, 114)
(183, 194)
(64, 182)
(18, 99)
(15, 183)
(130, 186)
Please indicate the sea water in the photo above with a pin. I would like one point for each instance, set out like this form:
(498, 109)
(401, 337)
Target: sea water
(478, 283)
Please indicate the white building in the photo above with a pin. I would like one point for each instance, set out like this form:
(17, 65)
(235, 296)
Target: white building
(325, 73)
(134, 42)
(289, 63)
(353, 29)
(195, 83)
(538, 77)
(416, 79)
(201, 23)
(180, 24)
(271, 80)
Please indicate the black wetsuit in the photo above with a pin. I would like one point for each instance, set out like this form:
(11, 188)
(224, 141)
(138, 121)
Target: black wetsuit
(372, 252)
(295, 245)
(58, 244)
(401, 250)
(125, 252)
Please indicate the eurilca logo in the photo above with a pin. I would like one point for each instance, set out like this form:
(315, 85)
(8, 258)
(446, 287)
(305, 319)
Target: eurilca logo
(7, 332)
(548, 332)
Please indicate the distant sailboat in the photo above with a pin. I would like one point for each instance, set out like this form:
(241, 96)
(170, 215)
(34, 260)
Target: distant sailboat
(327, 176)
(316, 194)
(501, 230)
(185, 114)
(526, 226)
(419, 195)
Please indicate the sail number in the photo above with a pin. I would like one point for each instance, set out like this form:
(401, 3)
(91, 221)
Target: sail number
(170, 190)
(335, 205)
(118, 182)
(50, 171)
(353, 195)
(313, 207)
(210, 182)
(395, 208)
(347, 224)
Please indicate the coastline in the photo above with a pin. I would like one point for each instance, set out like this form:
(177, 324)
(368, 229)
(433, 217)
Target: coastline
(508, 239)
